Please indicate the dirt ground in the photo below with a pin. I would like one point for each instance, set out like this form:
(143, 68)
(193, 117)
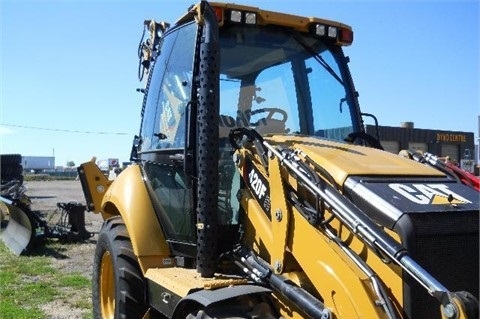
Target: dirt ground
(74, 257)
(45, 195)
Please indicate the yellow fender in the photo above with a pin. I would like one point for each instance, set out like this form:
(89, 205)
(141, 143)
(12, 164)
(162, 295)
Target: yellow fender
(127, 196)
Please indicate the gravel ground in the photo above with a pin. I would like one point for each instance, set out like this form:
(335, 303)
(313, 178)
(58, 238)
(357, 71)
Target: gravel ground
(75, 257)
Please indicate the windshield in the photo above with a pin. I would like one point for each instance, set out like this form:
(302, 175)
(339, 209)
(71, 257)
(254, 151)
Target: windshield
(282, 83)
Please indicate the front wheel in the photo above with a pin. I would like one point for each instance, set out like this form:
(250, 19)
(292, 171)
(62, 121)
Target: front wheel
(118, 288)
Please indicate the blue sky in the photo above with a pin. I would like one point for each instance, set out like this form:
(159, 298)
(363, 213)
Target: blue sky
(68, 71)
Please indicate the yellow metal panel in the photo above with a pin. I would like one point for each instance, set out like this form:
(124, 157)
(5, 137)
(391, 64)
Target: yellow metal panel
(345, 289)
(342, 160)
(270, 17)
(182, 281)
(390, 274)
(128, 197)
(94, 185)
(258, 228)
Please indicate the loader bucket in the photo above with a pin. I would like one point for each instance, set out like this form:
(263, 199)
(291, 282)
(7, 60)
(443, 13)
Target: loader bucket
(16, 228)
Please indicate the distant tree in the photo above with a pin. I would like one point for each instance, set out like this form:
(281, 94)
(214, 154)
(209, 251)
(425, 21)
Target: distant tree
(71, 164)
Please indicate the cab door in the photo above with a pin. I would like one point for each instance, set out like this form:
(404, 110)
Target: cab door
(163, 138)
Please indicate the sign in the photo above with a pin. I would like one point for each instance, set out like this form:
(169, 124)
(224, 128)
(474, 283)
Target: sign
(113, 162)
(425, 194)
(451, 138)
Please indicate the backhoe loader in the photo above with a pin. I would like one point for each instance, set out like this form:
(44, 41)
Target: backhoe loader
(254, 191)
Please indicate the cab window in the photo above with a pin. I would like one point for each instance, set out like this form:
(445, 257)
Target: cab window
(169, 92)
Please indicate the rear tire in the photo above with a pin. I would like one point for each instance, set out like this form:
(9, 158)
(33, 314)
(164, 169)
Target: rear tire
(11, 168)
(118, 288)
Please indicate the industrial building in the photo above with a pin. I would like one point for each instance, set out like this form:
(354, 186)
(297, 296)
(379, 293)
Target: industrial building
(458, 146)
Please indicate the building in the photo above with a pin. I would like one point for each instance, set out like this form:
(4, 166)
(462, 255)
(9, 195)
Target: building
(458, 146)
(477, 148)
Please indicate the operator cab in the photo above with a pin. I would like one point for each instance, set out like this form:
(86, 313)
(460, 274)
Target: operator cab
(279, 79)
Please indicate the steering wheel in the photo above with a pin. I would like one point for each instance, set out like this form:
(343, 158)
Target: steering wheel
(372, 141)
(271, 112)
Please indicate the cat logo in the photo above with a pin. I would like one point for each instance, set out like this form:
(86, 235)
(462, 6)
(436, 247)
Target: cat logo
(424, 194)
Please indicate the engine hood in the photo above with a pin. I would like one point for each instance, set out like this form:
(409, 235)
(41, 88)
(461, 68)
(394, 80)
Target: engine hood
(342, 160)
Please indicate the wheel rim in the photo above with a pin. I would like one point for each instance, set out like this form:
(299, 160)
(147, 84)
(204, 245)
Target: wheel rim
(107, 287)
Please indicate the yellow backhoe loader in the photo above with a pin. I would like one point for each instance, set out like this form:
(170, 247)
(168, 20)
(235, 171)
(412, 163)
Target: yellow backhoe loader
(254, 191)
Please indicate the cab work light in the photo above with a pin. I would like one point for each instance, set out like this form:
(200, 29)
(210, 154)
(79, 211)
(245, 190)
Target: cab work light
(341, 35)
(332, 32)
(237, 16)
(250, 18)
(320, 30)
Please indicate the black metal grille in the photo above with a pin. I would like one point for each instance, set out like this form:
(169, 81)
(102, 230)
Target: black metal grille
(446, 244)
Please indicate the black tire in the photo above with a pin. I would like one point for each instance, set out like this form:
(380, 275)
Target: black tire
(11, 168)
(10, 159)
(118, 287)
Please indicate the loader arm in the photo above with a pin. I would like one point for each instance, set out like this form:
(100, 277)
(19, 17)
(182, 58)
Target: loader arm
(315, 221)
(94, 185)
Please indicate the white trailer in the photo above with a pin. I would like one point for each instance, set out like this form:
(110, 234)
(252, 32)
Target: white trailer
(38, 163)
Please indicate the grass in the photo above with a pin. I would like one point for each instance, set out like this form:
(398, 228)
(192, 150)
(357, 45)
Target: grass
(74, 281)
(48, 177)
(29, 282)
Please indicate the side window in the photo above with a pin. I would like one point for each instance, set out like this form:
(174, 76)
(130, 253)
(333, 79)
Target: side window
(149, 116)
(173, 190)
(168, 92)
